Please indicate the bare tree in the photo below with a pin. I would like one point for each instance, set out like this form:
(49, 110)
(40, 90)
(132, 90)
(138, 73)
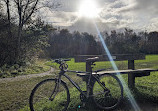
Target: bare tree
(7, 2)
(25, 9)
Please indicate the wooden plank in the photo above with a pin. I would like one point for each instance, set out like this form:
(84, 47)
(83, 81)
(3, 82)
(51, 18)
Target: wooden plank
(116, 57)
(121, 72)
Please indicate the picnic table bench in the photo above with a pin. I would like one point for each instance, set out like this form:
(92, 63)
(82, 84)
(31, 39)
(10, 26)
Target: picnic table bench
(131, 71)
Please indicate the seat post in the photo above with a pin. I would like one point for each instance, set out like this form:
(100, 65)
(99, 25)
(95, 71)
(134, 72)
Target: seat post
(88, 66)
(89, 63)
(88, 69)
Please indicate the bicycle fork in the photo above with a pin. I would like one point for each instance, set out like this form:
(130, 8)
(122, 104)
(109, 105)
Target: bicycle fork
(55, 91)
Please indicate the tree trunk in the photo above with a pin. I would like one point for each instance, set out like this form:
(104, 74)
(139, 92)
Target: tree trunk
(18, 54)
(9, 19)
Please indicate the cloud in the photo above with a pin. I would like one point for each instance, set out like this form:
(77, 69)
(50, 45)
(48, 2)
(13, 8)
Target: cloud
(135, 14)
(87, 25)
(115, 14)
(147, 5)
(58, 18)
(152, 25)
(68, 5)
(112, 16)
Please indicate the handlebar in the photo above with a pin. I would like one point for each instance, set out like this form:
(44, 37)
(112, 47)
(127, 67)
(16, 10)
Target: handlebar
(63, 65)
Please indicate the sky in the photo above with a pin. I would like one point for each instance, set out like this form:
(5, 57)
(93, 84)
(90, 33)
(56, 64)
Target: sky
(139, 15)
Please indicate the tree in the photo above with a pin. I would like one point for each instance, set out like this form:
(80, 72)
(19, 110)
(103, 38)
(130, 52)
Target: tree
(7, 2)
(152, 44)
(24, 9)
(122, 42)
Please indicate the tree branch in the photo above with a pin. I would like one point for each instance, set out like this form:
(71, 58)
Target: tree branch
(33, 9)
(25, 9)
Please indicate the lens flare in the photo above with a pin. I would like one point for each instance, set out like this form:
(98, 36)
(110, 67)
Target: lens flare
(126, 89)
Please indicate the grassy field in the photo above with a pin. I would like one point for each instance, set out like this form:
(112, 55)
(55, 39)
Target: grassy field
(14, 95)
(11, 71)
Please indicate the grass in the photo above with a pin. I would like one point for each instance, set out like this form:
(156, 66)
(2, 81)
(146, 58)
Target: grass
(14, 95)
(15, 70)
(151, 61)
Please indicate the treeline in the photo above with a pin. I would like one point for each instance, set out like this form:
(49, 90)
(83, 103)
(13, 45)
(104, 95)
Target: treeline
(130, 42)
(66, 44)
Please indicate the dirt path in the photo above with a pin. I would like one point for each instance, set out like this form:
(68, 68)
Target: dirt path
(22, 77)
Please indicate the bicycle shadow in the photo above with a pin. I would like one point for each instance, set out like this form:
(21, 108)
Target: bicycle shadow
(146, 102)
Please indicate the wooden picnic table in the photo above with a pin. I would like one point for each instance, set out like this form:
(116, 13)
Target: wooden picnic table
(131, 71)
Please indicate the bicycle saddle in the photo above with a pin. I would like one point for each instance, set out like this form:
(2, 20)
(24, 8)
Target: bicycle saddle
(93, 59)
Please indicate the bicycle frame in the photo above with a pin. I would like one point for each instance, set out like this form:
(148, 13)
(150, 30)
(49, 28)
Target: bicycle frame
(96, 89)
(90, 76)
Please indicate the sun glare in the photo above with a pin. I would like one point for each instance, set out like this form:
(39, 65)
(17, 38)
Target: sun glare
(88, 8)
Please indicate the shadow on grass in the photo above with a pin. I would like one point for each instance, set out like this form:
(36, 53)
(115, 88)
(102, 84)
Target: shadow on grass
(145, 100)
(145, 96)
(90, 106)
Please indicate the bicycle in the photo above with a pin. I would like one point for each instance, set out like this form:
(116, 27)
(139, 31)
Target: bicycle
(105, 91)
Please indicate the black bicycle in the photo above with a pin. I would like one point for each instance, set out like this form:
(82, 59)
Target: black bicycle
(105, 91)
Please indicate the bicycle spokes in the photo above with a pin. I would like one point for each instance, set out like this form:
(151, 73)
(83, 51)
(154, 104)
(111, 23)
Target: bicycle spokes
(48, 96)
(107, 92)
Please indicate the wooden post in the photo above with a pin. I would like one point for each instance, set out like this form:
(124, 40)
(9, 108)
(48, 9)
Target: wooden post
(131, 77)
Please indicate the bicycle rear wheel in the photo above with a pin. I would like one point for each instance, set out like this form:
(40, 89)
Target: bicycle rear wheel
(107, 94)
(48, 96)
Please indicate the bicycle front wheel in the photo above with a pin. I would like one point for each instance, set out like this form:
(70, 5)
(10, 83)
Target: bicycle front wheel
(107, 92)
(48, 96)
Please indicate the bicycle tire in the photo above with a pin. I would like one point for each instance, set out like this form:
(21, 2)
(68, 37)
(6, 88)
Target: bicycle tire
(44, 104)
(102, 98)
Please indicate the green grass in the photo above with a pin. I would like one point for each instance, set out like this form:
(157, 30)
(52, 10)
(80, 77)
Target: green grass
(14, 95)
(15, 70)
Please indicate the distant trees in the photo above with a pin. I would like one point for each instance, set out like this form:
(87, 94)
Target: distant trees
(122, 42)
(129, 42)
(152, 43)
(66, 44)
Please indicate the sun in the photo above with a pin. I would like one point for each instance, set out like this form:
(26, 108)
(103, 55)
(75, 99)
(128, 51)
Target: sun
(88, 8)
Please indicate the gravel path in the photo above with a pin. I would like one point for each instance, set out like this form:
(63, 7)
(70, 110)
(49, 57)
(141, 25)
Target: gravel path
(22, 77)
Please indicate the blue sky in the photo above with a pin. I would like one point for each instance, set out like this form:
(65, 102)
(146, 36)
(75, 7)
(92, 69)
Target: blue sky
(114, 14)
